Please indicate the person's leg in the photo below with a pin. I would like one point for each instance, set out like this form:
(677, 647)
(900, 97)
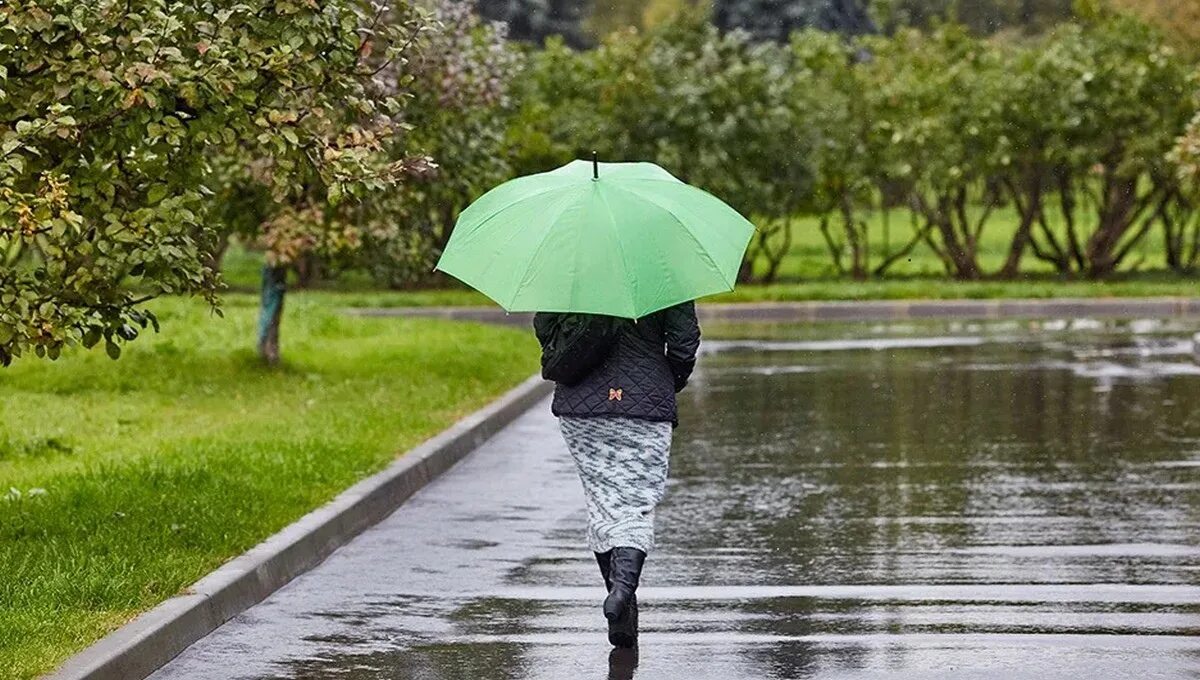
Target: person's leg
(623, 465)
(634, 535)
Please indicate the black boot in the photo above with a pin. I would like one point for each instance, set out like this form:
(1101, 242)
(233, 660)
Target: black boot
(620, 607)
(604, 559)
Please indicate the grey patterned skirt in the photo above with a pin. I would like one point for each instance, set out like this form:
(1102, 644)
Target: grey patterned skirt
(623, 466)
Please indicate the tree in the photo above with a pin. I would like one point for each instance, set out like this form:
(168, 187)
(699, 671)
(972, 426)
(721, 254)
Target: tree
(451, 88)
(829, 104)
(318, 222)
(115, 117)
(710, 108)
(1128, 104)
(1039, 114)
(934, 99)
(459, 105)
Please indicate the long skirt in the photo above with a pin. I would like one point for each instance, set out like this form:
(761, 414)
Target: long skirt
(623, 466)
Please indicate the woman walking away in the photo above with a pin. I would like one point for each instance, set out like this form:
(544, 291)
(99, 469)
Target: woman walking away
(615, 400)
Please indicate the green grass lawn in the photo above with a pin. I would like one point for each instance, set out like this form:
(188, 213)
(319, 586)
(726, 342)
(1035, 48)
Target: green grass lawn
(123, 482)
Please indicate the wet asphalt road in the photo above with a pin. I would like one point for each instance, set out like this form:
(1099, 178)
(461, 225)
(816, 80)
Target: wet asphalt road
(1004, 501)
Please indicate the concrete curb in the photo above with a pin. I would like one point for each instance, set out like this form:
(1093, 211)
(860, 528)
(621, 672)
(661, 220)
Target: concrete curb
(861, 310)
(144, 645)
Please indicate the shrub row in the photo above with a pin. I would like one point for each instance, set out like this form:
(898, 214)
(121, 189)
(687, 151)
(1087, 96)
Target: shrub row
(1081, 132)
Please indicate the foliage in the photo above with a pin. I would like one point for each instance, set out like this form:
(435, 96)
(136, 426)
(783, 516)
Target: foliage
(1073, 130)
(316, 218)
(1127, 95)
(449, 85)
(458, 103)
(453, 87)
(131, 149)
(712, 109)
(118, 118)
(935, 100)
(1178, 19)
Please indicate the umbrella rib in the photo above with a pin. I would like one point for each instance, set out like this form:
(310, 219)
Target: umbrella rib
(686, 228)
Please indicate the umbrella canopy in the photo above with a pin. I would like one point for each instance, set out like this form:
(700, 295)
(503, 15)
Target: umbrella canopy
(622, 239)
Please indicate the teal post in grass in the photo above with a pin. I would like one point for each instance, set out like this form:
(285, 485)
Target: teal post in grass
(274, 285)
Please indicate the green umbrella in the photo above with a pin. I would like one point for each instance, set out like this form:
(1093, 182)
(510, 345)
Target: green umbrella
(623, 239)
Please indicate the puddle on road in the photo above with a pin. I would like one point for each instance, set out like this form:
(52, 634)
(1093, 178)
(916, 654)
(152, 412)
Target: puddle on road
(1018, 499)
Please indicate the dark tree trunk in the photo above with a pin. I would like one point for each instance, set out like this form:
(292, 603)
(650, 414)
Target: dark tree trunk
(1029, 206)
(835, 248)
(959, 239)
(920, 233)
(1125, 218)
(775, 255)
(274, 285)
(856, 238)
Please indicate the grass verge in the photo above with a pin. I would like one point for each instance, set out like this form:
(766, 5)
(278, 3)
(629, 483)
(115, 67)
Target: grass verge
(123, 482)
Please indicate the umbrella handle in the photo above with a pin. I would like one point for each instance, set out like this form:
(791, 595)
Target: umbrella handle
(595, 167)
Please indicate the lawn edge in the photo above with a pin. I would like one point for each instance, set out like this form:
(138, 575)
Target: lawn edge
(137, 649)
(858, 310)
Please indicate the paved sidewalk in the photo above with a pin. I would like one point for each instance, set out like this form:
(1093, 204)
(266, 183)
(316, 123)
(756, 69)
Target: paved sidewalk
(481, 576)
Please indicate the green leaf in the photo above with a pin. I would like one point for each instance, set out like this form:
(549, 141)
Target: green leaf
(112, 349)
(156, 193)
(90, 337)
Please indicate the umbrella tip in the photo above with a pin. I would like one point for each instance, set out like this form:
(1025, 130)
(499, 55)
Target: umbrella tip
(595, 167)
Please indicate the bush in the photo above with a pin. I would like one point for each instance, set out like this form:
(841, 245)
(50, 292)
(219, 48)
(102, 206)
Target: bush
(715, 110)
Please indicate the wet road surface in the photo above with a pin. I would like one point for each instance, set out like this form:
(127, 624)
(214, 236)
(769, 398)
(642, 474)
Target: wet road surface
(1010, 500)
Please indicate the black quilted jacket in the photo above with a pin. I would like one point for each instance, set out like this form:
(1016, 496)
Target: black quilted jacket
(652, 361)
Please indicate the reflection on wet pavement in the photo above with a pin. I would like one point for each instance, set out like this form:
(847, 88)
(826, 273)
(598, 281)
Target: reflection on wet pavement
(966, 500)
